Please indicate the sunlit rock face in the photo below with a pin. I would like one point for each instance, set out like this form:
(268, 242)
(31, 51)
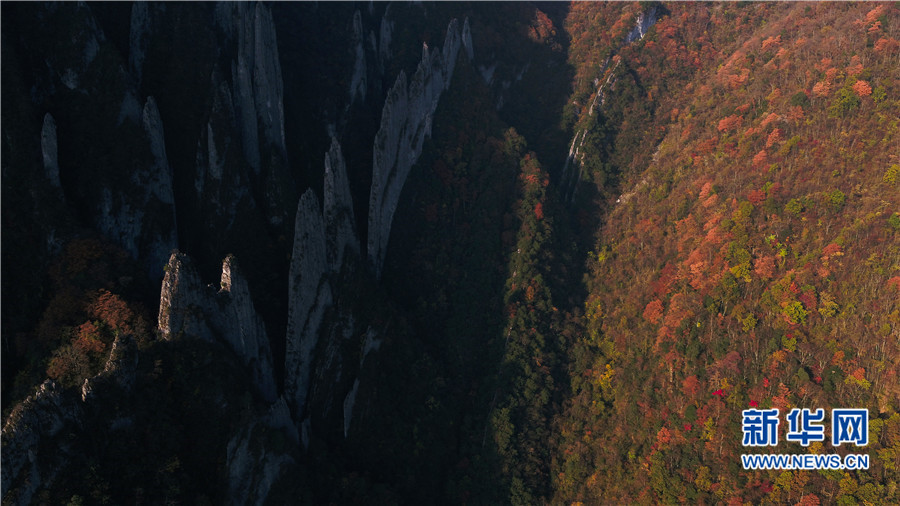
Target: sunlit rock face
(190, 309)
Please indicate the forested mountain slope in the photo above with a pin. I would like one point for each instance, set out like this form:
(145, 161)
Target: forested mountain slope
(748, 252)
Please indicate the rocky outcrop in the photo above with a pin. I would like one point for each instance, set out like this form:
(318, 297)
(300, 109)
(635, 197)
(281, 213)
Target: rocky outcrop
(27, 463)
(467, 40)
(358, 82)
(221, 184)
(268, 87)
(36, 434)
(71, 65)
(243, 329)
(384, 39)
(643, 23)
(258, 95)
(325, 245)
(256, 74)
(253, 465)
(573, 165)
(340, 227)
(309, 295)
(190, 309)
(127, 196)
(184, 302)
(140, 216)
(372, 343)
(405, 121)
(120, 371)
(48, 150)
(139, 36)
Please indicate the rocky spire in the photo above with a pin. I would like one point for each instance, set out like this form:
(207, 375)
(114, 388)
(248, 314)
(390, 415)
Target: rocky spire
(358, 82)
(405, 121)
(467, 40)
(340, 227)
(309, 296)
(190, 309)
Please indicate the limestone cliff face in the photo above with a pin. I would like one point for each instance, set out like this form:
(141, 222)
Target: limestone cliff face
(405, 121)
(159, 236)
(325, 246)
(258, 95)
(358, 82)
(252, 465)
(572, 167)
(643, 23)
(309, 295)
(191, 309)
(120, 371)
(81, 76)
(221, 182)
(385, 31)
(37, 435)
(467, 40)
(144, 16)
(184, 301)
(26, 464)
(340, 226)
(243, 329)
(268, 87)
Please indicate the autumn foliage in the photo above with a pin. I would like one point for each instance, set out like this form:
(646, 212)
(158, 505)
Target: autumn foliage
(779, 220)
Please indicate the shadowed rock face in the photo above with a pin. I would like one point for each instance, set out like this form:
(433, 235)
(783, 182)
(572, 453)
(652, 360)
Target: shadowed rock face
(240, 149)
(340, 226)
(190, 309)
(358, 82)
(123, 211)
(39, 418)
(309, 295)
(44, 418)
(405, 121)
(257, 93)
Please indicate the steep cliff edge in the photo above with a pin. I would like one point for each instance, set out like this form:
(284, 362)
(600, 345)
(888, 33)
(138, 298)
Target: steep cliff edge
(188, 308)
(39, 419)
(309, 295)
(340, 224)
(222, 187)
(405, 121)
(259, 101)
(254, 464)
(572, 168)
(37, 437)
